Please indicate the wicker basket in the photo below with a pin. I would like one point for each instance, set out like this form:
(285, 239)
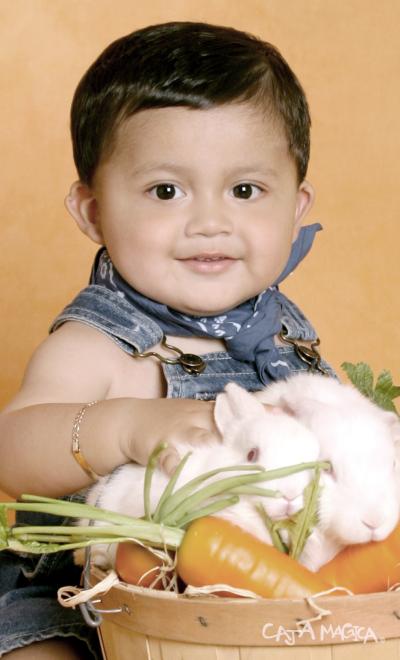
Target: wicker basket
(154, 625)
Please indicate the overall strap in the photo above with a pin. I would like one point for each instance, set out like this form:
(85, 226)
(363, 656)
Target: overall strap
(294, 324)
(112, 315)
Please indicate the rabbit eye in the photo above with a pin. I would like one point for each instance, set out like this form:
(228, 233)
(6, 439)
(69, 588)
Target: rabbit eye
(332, 473)
(253, 455)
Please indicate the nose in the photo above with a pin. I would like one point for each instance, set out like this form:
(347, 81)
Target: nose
(373, 521)
(371, 528)
(208, 218)
(294, 503)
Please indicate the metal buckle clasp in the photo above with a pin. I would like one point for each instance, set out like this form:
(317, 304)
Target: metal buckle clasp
(191, 363)
(308, 354)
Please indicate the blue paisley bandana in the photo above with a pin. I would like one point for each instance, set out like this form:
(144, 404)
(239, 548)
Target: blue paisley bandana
(248, 330)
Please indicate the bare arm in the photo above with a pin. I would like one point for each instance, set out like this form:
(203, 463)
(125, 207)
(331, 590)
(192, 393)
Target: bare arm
(35, 429)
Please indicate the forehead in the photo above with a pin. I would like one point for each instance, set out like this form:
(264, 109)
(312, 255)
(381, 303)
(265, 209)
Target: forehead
(232, 133)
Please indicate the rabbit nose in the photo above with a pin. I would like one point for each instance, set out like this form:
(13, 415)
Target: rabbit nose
(372, 524)
(290, 496)
(364, 522)
(294, 504)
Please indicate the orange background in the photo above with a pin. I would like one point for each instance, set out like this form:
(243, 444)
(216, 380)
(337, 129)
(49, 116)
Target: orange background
(347, 55)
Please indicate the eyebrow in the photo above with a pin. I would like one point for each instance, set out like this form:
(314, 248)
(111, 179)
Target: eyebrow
(150, 167)
(179, 169)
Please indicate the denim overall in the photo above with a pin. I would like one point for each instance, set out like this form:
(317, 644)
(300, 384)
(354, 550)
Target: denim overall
(29, 610)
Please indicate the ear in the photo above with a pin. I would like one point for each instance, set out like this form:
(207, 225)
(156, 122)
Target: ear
(82, 205)
(235, 405)
(304, 202)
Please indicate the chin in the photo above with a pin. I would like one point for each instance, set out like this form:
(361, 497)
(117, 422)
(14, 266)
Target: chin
(206, 310)
(206, 306)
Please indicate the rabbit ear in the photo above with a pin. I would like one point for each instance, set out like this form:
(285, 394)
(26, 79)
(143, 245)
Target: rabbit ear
(281, 400)
(233, 405)
(307, 407)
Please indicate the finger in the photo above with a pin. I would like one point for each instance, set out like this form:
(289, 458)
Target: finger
(201, 436)
(169, 461)
(204, 415)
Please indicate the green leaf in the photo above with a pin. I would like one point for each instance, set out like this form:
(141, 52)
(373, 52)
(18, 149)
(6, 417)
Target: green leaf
(383, 402)
(382, 394)
(209, 510)
(361, 376)
(4, 528)
(306, 519)
(169, 488)
(385, 391)
(273, 528)
(148, 476)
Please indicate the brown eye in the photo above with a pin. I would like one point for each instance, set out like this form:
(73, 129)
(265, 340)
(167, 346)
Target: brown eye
(243, 191)
(165, 191)
(246, 191)
(332, 473)
(253, 455)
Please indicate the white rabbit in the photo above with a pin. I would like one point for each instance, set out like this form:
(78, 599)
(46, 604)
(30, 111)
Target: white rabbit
(359, 499)
(251, 433)
(280, 441)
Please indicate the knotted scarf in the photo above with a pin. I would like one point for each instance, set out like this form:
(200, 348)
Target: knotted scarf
(248, 330)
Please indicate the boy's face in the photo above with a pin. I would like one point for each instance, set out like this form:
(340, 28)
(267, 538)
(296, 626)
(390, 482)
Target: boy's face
(198, 208)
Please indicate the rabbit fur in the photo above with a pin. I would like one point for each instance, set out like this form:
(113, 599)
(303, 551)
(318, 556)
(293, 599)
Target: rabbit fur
(313, 417)
(251, 433)
(359, 498)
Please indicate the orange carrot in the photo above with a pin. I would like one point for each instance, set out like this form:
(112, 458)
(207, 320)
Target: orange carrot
(136, 564)
(366, 568)
(214, 551)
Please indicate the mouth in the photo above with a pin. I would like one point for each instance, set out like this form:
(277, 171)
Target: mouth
(207, 256)
(209, 263)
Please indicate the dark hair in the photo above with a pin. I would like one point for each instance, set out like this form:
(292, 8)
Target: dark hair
(184, 64)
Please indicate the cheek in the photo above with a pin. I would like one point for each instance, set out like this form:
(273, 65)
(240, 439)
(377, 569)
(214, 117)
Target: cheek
(137, 240)
(270, 236)
(269, 257)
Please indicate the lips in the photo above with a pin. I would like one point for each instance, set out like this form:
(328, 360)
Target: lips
(208, 263)
(207, 257)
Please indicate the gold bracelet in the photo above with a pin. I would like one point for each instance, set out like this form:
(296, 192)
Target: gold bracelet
(76, 449)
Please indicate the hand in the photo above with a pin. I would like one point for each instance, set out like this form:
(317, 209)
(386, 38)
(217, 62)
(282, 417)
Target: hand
(167, 420)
